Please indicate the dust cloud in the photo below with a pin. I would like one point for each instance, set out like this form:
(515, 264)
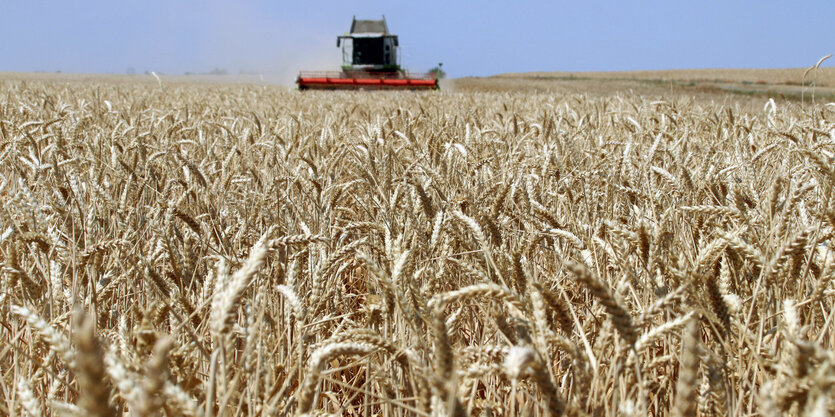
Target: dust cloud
(447, 84)
(233, 41)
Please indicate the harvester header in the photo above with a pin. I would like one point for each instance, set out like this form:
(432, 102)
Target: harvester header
(370, 61)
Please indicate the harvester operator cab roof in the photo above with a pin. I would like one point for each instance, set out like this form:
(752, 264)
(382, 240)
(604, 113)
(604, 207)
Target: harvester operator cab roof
(369, 47)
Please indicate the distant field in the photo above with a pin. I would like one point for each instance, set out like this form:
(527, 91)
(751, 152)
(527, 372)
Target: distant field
(781, 76)
(750, 86)
(787, 83)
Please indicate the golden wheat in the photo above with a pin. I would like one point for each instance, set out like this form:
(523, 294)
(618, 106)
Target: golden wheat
(244, 250)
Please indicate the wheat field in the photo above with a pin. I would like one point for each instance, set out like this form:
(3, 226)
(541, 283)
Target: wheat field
(232, 250)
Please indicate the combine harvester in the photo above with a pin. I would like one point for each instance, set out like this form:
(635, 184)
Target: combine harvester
(369, 62)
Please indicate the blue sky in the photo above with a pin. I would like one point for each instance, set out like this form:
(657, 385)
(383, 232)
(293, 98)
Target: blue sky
(471, 38)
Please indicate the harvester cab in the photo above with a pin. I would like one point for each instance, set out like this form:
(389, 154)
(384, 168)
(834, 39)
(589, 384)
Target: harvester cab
(369, 61)
(369, 47)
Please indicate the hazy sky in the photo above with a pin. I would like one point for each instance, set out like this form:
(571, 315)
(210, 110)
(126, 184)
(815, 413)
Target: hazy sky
(471, 38)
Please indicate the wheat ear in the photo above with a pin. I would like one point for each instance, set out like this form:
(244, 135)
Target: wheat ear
(56, 341)
(95, 393)
(227, 300)
(620, 317)
(686, 402)
(317, 362)
(522, 360)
